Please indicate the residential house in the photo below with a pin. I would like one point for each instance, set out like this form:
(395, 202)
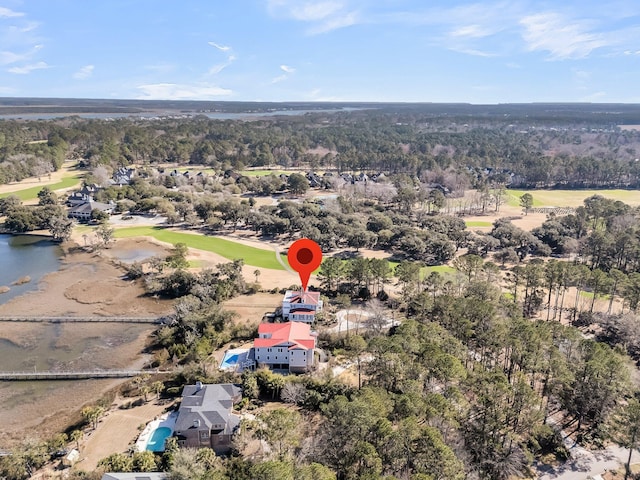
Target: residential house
(301, 306)
(122, 176)
(285, 346)
(82, 196)
(83, 211)
(205, 418)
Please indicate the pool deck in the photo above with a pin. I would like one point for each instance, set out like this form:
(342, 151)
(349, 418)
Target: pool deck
(166, 420)
(243, 361)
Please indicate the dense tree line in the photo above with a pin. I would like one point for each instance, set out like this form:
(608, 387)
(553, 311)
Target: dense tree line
(526, 152)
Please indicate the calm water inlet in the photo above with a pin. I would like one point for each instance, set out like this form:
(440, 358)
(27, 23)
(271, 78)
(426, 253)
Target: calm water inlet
(26, 255)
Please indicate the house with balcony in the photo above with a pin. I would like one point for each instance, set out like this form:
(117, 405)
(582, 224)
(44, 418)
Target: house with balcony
(298, 306)
(205, 417)
(285, 346)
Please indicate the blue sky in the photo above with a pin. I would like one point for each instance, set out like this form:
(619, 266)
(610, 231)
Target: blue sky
(324, 50)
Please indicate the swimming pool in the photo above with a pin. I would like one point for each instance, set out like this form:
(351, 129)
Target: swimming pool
(156, 442)
(229, 361)
(234, 359)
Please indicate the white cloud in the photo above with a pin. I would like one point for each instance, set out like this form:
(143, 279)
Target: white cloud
(471, 31)
(562, 38)
(313, 11)
(335, 23)
(472, 51)
(324, 16)
(8, 13)
(173, 91)
(224, 48)
(215, 69)
(287, 72)
(84, 72)
(26, 69)
(7, 57)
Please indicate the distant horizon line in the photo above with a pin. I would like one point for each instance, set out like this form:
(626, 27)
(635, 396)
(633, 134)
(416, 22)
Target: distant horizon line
(4, 99)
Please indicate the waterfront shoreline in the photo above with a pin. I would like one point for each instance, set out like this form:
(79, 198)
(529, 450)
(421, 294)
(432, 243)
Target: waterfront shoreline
(85, 284)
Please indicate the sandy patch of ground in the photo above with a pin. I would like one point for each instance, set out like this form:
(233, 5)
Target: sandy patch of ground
(116, 432)
(251, 308)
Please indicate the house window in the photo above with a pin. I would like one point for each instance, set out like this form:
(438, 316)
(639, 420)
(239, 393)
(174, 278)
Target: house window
(204, 435)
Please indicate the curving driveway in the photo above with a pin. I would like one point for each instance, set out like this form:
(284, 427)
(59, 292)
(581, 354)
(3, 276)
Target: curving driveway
(584, 463)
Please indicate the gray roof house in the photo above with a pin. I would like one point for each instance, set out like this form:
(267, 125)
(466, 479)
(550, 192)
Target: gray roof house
(83, 211)
(205, 418)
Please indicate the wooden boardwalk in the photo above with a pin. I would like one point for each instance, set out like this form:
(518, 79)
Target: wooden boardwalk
(79, 375)
(83, 319)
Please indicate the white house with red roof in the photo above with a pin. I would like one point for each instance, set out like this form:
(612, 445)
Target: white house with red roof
(301, 306)
(285, 346)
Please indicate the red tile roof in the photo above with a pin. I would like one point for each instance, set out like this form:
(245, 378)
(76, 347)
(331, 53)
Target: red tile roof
(290, 334)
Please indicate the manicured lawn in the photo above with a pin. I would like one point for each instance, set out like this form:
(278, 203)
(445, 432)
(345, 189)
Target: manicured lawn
(440, 269)
(477, 223)
(32, 192)
(586, 294)
(255, 257)
(571, 198)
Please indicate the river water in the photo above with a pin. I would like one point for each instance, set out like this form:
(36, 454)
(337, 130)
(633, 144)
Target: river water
(25, 255)
(45, 346)
(153, 116)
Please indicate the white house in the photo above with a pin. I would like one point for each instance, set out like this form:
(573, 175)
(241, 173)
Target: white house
(285, 346)
(301, 306)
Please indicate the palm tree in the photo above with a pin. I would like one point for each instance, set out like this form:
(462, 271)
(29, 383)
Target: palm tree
(76, 436)
(257, 274)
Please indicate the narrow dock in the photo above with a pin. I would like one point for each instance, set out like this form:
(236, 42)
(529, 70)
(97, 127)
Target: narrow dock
(83, 319)
(79, 375)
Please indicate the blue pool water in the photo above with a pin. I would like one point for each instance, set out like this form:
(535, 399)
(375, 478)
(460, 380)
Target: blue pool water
(156, 442)
(230, 360)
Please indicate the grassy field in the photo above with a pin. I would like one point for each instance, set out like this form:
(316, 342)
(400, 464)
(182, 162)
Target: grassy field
(255, 257)
(477, 223)
(571, 198)
(262, 173)
(32, 192)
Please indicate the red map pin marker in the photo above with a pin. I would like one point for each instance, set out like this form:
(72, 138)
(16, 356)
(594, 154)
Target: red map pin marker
(304, 257)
